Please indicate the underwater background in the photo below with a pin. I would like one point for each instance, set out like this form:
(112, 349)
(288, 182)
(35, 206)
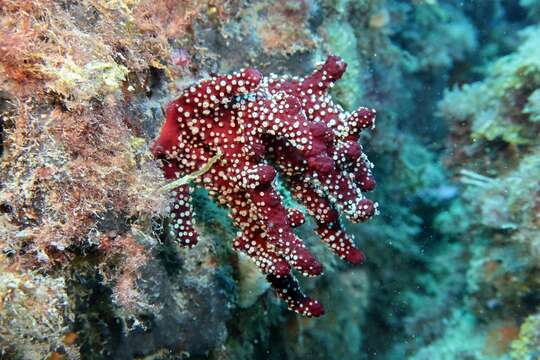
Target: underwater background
(88, 270)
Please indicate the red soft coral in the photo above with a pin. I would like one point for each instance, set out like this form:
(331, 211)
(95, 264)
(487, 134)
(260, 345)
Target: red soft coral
(258, 124)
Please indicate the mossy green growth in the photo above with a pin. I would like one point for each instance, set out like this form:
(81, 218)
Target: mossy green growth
(440, 36)
(453, 221)
(341, 40)
(82, 82)
(532, 108)
(504, 105)
(505, 203)
(527, 346)
(461, 340)
(420, 169)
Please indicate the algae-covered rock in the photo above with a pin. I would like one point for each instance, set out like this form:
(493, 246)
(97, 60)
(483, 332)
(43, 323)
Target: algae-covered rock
(251, 282)
(35, 314)
(82, 85)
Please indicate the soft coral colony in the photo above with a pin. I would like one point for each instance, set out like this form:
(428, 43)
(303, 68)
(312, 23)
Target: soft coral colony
(260, 124)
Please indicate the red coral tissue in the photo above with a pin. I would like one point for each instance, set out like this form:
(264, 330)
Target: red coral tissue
(263, 126)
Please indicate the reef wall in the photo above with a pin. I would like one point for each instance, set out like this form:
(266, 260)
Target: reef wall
(88, 269)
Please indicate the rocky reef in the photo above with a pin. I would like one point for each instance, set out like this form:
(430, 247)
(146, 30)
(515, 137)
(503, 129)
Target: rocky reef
(89, 268)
